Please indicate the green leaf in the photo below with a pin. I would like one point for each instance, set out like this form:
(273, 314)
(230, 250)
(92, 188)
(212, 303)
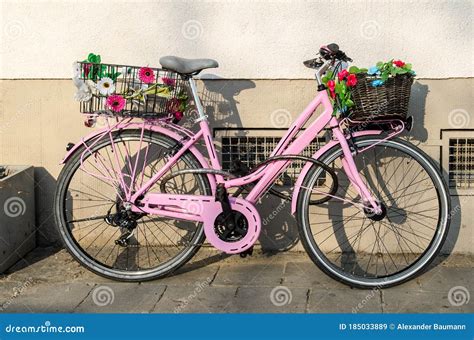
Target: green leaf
(354, 69)
(363, 70)
(379, 65)
(407, 67)
(349, 103)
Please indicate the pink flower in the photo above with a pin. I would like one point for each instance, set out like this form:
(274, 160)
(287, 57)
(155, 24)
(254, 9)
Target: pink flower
(351, 80)
(168, 81)
(342, 74)
(116, 102)
(146, 75)
(398, 63)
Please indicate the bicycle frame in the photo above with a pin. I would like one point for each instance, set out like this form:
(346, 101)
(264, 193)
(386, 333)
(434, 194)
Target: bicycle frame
(290, 144)
(287, 146)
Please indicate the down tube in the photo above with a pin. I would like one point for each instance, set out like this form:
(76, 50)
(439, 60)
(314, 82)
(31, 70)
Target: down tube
(295, 148)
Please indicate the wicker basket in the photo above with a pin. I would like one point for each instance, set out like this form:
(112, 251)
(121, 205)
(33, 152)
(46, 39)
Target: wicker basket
(154, 104)
(386, 102)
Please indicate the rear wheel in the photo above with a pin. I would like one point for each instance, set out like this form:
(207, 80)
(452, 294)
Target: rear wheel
(364, 250)
(92, 220)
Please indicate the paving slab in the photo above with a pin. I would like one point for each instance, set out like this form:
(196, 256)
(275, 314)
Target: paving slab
(44, 298)
(345, 301)
(48, 280)
(199, 298)
(237, 274)
(121, 298)
(277, 299)
(307, 274)
(399, 301)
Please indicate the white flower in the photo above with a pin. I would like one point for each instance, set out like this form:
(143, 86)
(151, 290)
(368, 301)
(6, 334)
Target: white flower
(76, 70)
(83, 93)
(106, 86)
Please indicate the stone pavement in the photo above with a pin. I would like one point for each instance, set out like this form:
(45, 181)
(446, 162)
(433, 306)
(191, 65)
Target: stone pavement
(50, 281)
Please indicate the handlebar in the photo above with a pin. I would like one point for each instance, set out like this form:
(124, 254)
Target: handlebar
(328, 56)
(329, 52)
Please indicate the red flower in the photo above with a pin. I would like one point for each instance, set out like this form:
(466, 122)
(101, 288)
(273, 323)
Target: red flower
(87, 69)
(178, 115)
(398, 63)
(351, 80)
(331, 84)
(342, 74)
(173, 105)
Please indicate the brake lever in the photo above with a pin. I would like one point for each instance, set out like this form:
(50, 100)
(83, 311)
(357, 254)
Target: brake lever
(313, 63)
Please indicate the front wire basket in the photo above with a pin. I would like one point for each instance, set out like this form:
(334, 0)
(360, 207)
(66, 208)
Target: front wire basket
(163, 93)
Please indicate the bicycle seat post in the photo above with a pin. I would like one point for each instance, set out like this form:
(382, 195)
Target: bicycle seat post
(197, 101)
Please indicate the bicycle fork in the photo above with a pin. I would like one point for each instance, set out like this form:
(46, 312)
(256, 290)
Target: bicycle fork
(350, 169)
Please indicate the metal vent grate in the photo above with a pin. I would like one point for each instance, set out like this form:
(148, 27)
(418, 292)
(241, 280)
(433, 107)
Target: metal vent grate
(461, 163)
(253, 150)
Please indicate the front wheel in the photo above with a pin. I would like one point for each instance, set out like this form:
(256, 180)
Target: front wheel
(369, 251)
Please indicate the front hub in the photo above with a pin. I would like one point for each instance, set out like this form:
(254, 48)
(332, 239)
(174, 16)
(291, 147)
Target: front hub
(374, 216)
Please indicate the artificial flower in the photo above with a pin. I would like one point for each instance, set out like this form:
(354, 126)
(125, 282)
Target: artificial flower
(106, 86)
(351, 80)
(76, 70)
(331, 84)
(178, 115)
(373, 71)
(173, 105)
(87, 69)
(116, 102)
(168, 81)
(398, 63)
(146, 75)
(377, 82)
(343, 74)
(83, 93)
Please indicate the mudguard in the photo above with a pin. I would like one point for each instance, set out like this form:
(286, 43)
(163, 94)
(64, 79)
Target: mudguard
(317, 155)
(155, 128)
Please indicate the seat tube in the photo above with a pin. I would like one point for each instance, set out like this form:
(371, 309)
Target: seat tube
(351, 170)
(207, 135)
(197, 101)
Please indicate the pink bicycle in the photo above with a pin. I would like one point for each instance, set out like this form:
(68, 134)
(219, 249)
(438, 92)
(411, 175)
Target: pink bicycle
(136, 199)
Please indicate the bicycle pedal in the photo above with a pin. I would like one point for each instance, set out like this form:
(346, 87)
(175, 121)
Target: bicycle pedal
(246, 253)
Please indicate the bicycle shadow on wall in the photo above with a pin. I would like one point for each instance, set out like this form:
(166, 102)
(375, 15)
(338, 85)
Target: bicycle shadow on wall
(279, 230)
(417, 109)
(419, 134)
